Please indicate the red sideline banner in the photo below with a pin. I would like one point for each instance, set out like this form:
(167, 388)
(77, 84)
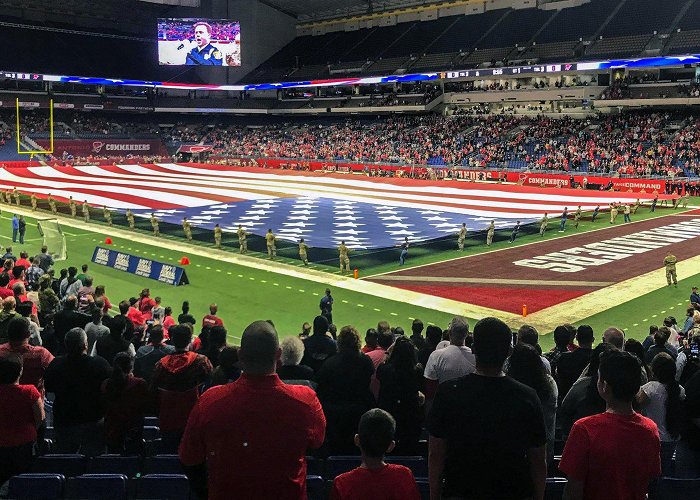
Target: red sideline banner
(106, 147)
(526, 179)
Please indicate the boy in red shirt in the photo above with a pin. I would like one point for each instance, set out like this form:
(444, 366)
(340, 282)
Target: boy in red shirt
(374, 478)
(613, 455)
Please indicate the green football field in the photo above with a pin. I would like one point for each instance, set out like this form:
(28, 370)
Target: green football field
(245, 294)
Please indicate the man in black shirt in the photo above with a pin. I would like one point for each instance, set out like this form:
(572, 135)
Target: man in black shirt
(433, 336)
(571, 364)
(67, 319)
(319, 346)
(416, 335)
(487, 431)
(76, 379)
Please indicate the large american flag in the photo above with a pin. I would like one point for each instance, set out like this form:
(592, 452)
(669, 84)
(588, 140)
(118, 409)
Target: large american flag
(324, 209)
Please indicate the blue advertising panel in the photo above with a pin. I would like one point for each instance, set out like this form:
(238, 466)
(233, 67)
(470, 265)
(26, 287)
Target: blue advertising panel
(140, 266)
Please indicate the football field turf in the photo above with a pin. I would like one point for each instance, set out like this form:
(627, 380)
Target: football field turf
(254, 291)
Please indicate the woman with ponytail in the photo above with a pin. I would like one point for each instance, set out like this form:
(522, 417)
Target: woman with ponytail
(126, 400)
(662, 401)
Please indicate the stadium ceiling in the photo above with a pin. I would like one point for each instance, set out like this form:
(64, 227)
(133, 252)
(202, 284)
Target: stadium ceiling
(316, 10)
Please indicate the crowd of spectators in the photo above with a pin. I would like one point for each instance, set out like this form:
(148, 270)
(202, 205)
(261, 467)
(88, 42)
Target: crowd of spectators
(495, 406)
(636, 143)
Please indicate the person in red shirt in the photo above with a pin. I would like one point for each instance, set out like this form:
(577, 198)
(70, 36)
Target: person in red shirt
(21, 413)
(145, 303)
(135, 315)
(371, 341)
(613, 455)
(4, 291)
(17, 277)
(126, 400)
(23, 260)
(375, 478)
(257, 422)
(212, 319)
(35, 358)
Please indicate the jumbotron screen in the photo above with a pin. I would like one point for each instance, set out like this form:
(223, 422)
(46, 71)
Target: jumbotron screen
(199, 42)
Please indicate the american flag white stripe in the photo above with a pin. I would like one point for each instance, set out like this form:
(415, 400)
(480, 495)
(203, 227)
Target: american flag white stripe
(323, 209)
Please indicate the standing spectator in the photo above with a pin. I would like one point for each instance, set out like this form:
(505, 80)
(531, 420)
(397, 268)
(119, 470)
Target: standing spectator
(661, 344)
(186, 317)
(451, 362)
(100, 294)
(571, 364)
(7, 314)
(562, 338)
(211, 320)
(528, 334)
(23, 260)
(256, 422)
(67, 281)
(292, 352)
(21, 414)
(83, 274)
(168, 321)
(384, 341)
(583, 398)
(8, 255)
(126, 399)
(371, 340)
(375, 478)
(525, 366)
(33, 274)
(613, 455)
(35, 359)
(148, 355)
(110, 345)
(67, 319)
(487, 432)
(48, 300)
(177, 377)
(662, 401)
(343, 388)
(433, 336)
(95, 329)
(15, 228)
(318, 347)
(326, 306)
(401, 380)
(416, 333)
(22, 229)
(614, 336)
(76, 380)
(228, 370)
(216, 342)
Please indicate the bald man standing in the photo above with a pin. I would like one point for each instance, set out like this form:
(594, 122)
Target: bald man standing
(258, 423)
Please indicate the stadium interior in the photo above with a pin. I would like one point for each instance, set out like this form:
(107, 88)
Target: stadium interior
(420, 133)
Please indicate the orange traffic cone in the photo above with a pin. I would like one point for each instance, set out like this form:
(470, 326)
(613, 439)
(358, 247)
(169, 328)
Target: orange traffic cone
(184, 261)
(108, 241)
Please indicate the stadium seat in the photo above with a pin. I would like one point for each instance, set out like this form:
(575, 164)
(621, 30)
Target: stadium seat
(155, 421)
(151, 432)
(164, 487)
(315, 488)
(554, 488)
(423, 487)
(36, 486)
(418, 465)
(671, 488)
(314, 466)
(163, 464)
(97, 486)
(115, 464)
(69, 465)
(337, 465)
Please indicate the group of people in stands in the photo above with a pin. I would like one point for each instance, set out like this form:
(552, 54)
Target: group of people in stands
(635, 143)
(492, 402)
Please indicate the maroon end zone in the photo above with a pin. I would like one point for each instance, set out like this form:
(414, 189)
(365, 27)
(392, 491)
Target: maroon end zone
(554, 271)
